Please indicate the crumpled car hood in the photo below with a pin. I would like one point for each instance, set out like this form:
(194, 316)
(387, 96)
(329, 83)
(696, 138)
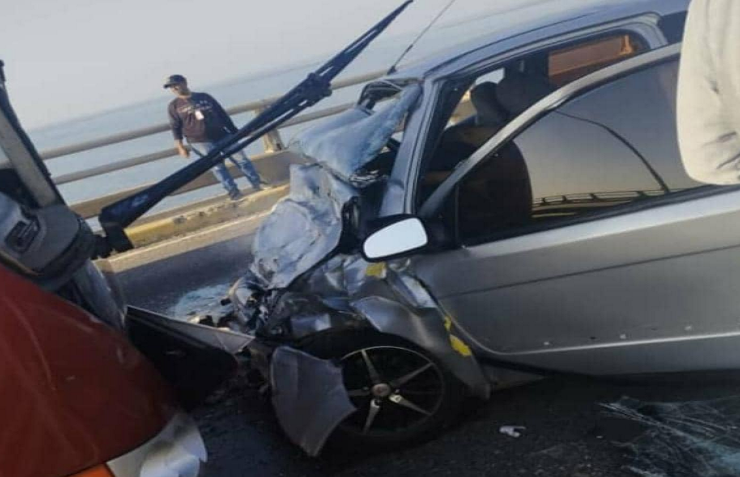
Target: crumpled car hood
(303, 228)
(306, 226)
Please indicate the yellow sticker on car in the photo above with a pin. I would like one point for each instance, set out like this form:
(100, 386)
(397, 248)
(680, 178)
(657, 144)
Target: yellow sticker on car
(456, 343)
(376, 270)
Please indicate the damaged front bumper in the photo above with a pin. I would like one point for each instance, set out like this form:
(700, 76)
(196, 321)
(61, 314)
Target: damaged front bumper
(308, 394)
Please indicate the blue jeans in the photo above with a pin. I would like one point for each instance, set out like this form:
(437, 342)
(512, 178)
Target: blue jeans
(222, 173)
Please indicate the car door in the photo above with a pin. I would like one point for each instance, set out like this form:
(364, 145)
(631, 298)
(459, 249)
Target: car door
(621, 264)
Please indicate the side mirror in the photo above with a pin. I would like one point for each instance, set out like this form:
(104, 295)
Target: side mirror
(403, 235)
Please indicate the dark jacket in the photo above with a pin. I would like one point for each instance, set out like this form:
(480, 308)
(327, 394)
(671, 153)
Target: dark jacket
(199, 118)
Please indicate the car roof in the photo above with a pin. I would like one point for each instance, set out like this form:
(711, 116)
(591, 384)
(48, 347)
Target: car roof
(517, 18)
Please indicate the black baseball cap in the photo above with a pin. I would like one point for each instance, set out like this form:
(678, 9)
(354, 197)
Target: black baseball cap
(174, 79)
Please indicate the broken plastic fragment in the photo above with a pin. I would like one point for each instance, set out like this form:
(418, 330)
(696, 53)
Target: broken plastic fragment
(512, 431)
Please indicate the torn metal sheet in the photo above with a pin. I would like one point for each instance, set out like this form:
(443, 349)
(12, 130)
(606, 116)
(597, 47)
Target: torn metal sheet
(683, 439)
(306, 226)
(309, 397)
(225, 340)
(302, 314)
(302, 229)
(348, 142)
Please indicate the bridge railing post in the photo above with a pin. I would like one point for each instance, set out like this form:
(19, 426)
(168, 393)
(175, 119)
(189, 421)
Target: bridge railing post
(271, 141)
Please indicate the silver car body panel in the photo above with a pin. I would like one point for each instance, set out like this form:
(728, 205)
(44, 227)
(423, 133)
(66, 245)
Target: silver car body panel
(335, 145)
(218, 338)
(645, 292)
(4, 161)
(429, 331)
(302, 229)
(648, 291)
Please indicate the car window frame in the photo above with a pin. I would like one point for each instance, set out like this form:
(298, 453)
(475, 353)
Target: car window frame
(643, 26)
(613, 34)
(447, 202)
(432, 206)
(454, 81)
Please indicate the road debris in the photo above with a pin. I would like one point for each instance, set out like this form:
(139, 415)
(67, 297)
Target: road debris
(512, 431)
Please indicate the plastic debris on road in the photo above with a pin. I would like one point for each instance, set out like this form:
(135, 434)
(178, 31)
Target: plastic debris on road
(512, 431)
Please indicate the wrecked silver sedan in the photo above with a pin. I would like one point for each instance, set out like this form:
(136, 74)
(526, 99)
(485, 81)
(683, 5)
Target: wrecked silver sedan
(511, 208)
(507, 210)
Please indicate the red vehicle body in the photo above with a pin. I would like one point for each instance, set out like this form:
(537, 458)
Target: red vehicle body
(88, 388)
(73, 390)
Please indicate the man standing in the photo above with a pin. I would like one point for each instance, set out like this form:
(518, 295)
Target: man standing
(203, 121)
(709, 92)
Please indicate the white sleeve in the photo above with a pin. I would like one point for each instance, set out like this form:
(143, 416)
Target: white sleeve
(710, 146)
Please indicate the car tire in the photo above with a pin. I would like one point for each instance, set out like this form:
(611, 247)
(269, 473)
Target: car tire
(412, 396)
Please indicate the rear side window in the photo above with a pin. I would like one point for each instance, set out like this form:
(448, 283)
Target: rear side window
(569, 64)
(609, 148)
(673, 26)
(641, 110)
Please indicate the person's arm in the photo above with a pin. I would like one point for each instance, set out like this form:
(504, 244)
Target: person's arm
(181, 149)
(709, 143)
(176, 128)
(223, 115)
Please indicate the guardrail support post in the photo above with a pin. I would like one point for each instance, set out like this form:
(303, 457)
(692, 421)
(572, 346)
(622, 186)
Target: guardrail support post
(272, 141)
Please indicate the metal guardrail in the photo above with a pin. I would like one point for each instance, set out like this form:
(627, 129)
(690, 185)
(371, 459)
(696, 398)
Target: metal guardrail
(272, 145)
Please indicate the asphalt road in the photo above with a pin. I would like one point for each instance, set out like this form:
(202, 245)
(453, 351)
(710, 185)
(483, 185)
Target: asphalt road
(189, 279)
(568, 432)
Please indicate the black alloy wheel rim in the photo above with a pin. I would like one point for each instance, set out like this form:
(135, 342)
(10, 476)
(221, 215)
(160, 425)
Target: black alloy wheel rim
(395, 389)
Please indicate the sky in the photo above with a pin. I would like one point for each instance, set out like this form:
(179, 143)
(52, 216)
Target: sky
(71, 58)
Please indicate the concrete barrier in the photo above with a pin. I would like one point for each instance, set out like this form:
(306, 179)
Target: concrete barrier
(202, 217)
(213, 211)
(273, 167)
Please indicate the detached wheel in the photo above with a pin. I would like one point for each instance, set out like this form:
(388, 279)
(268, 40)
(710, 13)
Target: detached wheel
(403, 395)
